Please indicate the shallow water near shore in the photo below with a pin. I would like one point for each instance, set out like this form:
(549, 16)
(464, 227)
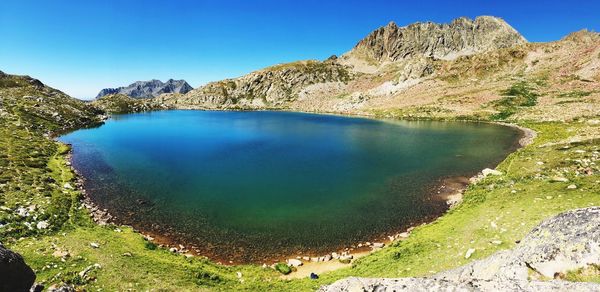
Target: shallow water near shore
(256, 186)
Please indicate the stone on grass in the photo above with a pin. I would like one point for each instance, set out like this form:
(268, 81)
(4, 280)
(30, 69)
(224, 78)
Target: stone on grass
(489, 171)
(294, 262)
(42, 225)
(469, 252)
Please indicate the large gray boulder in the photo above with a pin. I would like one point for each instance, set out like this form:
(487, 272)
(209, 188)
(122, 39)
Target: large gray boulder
(564, 243)
(15, 275)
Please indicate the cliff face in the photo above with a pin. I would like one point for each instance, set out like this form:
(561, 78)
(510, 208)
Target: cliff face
(148, 89)
(462, 36)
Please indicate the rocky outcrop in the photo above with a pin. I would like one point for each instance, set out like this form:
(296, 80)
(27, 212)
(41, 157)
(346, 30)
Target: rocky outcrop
(15, 275)
(148, 89)
(462, 36)
(561, 244)
(270, 87)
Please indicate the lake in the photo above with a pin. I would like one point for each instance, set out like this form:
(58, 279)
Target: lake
(254, 186)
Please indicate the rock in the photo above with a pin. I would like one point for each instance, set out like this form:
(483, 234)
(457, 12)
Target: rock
(294, 262)
(404, 235)
(23, 212)
(88, 269)
(469, 252)
(94, 245)
(571, 187)
(327, 258)
(42, 225)
(378, 244)
(37, 287)
(15, 274)
(127, 254)
(61, 288)
(306, 258)
(566, 242)
(488, 171)
(559, 179)
(68, 186)
(238, 274)
(61, 254)
(173, 249)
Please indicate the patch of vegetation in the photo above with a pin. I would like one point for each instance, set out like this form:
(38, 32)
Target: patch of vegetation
(588, 274)
(283, 268)
(574, 94)
(520, 94)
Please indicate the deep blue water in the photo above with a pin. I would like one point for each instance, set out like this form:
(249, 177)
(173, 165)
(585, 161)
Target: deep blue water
(248, 186)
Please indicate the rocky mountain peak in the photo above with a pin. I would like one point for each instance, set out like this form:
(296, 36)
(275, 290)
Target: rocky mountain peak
(462, 36)
(148, 89)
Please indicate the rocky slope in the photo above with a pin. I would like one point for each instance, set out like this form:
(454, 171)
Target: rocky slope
(268, 88)
(562, 244)
(120, 104)
(148, 89)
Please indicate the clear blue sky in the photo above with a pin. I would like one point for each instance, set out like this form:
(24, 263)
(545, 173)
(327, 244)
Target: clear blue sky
(81, 47)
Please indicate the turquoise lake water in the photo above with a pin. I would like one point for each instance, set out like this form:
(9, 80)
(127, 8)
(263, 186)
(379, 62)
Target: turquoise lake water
(251, 186)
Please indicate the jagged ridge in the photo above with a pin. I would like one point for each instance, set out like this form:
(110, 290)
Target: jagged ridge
(148, 89)
(462, 36)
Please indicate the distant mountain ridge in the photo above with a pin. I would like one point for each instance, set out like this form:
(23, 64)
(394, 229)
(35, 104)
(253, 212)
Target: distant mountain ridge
(148, 89)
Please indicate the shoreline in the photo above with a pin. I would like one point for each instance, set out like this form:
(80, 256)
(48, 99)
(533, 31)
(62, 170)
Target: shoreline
(449, 189)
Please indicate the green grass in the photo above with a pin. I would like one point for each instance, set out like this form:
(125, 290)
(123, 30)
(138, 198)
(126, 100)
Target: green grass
(589, 274)
(520, 94)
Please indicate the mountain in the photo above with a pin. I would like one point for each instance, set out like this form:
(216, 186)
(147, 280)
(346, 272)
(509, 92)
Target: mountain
(390, 53)
(148, 89)
(472, 69)
(462, 36)
(270, 87)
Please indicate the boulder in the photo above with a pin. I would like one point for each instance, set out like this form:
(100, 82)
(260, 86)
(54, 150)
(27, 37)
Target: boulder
(564, 243)
(15, 275)
(294, 262)
(489, 171)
